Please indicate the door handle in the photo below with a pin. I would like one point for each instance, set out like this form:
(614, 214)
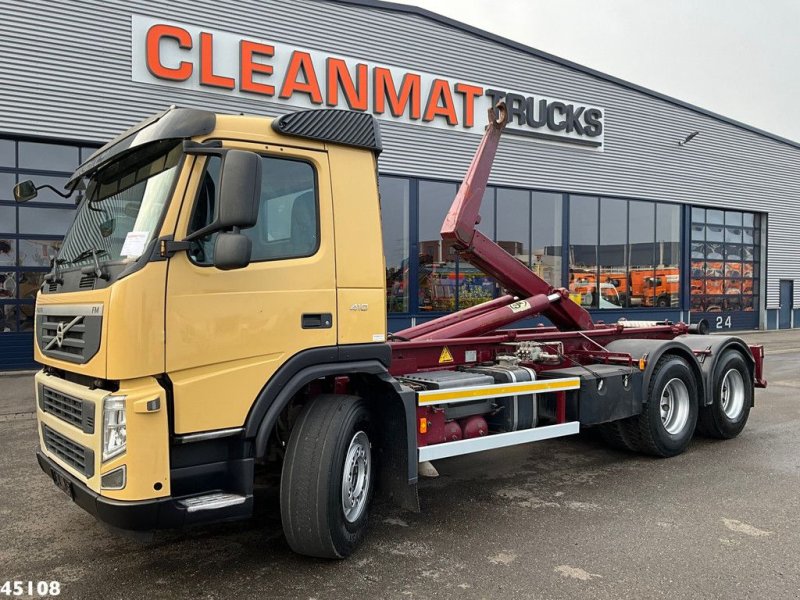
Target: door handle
(317, 321)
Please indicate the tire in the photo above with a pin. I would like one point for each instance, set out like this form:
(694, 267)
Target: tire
(727, 414)
(615, 434)
(663, 301)
(331, 430)
(667, 422)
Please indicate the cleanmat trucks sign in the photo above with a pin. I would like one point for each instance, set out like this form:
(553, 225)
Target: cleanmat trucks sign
(208, 60)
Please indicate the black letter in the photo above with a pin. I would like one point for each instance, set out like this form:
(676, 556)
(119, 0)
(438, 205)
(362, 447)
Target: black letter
(532, 121)
(496, 96)
(515, 105)
(574, 119)
(551, 115)
(594, 126)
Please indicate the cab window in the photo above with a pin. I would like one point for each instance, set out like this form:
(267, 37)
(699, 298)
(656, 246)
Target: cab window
(288, 216)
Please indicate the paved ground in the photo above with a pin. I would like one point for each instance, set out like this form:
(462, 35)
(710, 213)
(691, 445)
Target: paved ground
(559, 519)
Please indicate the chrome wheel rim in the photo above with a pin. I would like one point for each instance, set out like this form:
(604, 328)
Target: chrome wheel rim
(356, 477)
(674, 406)
(732, 394)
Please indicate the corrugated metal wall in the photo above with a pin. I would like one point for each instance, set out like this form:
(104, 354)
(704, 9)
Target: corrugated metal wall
(66, 73)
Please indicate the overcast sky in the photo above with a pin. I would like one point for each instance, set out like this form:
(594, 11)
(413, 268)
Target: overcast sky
(739, 58)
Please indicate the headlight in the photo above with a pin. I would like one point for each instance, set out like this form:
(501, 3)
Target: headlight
(114, 431)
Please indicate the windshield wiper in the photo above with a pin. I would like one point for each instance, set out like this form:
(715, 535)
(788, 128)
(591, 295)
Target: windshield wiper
(96, 269)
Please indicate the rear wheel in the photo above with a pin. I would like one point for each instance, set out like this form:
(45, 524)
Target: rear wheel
(669, 416)
(328, 477)
(727, 415)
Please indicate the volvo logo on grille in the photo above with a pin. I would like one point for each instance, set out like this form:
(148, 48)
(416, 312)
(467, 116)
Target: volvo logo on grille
(61, 329)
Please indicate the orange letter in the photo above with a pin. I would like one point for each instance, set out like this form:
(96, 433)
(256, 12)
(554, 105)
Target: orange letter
(248, 67)
(470, 92)
(152, 52)
(339, 75)
(440, 92)
(207, 76)
(301, 61)
(385, 90)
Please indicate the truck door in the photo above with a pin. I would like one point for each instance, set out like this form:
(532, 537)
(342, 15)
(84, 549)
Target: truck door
(227, 332)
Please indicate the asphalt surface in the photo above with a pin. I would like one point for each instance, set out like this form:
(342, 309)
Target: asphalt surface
(565, 518)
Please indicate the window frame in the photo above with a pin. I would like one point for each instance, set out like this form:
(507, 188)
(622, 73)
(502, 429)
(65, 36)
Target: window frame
(315, 173)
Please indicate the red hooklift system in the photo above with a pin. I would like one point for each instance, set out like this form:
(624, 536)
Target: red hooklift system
(479, 328)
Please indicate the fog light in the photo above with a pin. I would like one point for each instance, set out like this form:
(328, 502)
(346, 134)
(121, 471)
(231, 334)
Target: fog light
(114, 480)
(114, 429)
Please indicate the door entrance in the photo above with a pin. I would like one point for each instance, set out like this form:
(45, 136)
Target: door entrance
(786, 304)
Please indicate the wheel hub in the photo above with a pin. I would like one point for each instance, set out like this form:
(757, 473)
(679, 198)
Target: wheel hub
(674, 405)
(732, 394)
(356, 477)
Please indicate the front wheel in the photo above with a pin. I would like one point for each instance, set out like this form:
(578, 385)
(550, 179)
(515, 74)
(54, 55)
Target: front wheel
(727, 414)
(328, 477)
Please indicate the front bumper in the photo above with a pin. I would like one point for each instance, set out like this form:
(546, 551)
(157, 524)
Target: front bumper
(140, 515)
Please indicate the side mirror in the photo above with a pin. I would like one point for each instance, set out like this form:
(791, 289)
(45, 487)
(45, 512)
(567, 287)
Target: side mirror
(25, 191)
(232, 251)
(238, 196)
(240, 190)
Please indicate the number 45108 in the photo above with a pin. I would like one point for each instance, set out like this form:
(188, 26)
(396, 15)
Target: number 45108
(30, 588)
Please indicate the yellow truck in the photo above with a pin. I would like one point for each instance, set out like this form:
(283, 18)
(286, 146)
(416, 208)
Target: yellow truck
(219, 304)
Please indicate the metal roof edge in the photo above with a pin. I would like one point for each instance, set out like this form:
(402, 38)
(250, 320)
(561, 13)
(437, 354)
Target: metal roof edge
(423, 12)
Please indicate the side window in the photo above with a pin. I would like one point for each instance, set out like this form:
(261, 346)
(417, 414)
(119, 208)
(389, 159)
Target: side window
(288, 217)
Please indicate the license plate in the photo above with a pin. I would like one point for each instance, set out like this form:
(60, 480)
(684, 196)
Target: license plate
(64, 484)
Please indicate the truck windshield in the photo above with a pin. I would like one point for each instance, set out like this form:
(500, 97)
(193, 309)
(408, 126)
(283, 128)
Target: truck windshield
(123, 206)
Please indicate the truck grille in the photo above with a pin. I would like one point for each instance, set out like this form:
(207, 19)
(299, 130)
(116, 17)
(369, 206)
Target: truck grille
(75, 455)
(74, 411)
(70, 333)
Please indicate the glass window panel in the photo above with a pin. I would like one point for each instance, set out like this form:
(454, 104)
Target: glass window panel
(8, 316)
(546, 236)
(714, 250)
(513, 222)
(715, 233)
(698, 215)
(698, 232)
(733, 218)
(733, 252)
(86, 153)
(733, 270)
(474, 286)
(698, 250)
(613, 289)
(8, 219)
(394, 220)
(45, 221)
(668, 255)
(46, 195)
(8, 285)
(748, 236)
(8, 156)
(47, 157)
(748, 220)
(7, 183)
(733, 234)
(8, 252)
(437, 259)
(37, 253)
(583, 217)
(641, 253)
(29, 283)
(715, 217)
(26, 316)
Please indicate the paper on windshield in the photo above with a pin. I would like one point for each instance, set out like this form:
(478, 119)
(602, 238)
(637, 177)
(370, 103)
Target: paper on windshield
(134, 244)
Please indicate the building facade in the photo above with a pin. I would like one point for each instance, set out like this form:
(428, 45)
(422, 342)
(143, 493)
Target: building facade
(641, 205)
